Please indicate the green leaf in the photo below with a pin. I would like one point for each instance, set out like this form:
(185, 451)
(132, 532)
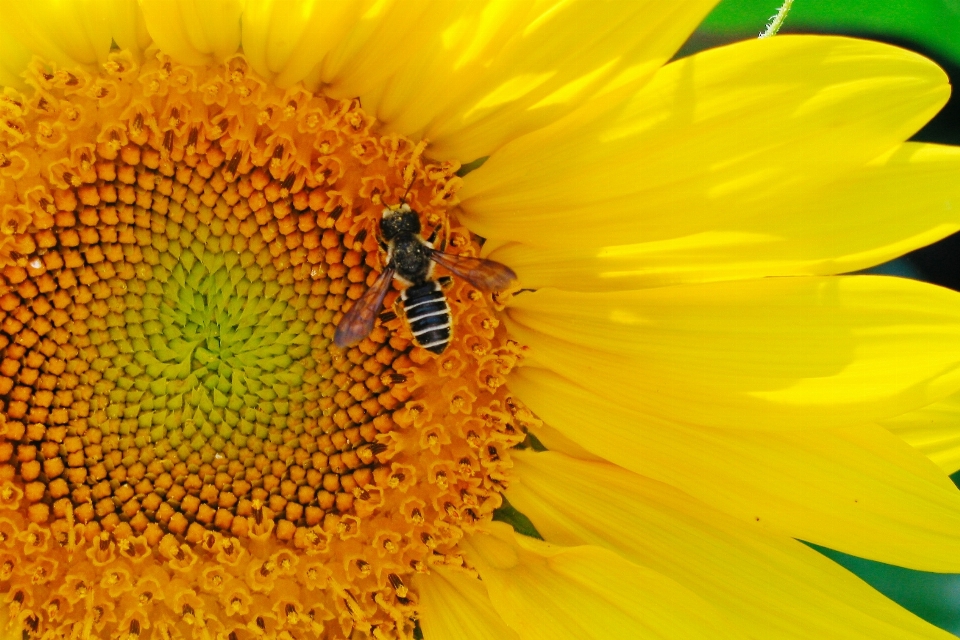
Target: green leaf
(520, 523)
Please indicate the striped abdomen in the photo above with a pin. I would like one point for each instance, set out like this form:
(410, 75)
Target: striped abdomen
(427, 311)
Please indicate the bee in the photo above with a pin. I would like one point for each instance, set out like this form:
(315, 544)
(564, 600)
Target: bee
(410, 261)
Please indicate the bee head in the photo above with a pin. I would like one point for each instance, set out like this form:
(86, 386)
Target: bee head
(397, 222)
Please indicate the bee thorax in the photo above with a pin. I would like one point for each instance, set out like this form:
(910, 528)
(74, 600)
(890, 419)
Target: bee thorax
(411, 259)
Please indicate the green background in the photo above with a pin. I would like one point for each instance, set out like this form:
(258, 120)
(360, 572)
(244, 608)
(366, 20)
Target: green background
(931, 23)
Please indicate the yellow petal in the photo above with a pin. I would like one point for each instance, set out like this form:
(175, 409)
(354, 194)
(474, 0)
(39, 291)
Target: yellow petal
(731, 132)
(194, 31)
(496, 70)
(285, 40)
(555, 440)
(128, 26)
(768, 585)
(14, 58)
(454, 605)
(775, 353)
(385, 38)
(545, 592)
(869, 216)
(857, 489)
(69, 33)
(934, 430)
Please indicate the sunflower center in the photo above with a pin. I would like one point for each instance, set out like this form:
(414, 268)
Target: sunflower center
(179, 246)
(198, 306)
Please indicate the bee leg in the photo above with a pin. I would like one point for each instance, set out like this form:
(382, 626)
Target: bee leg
(436, 233)
(384, 250)
(395, 311)
(445, 282)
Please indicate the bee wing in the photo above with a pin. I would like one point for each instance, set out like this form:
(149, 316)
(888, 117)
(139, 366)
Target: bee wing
(483, 274)
(358, 322)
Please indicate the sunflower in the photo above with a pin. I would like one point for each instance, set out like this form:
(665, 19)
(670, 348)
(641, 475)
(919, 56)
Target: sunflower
(190, 199)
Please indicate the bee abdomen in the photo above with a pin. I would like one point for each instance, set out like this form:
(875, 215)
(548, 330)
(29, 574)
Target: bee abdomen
(428, 313)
